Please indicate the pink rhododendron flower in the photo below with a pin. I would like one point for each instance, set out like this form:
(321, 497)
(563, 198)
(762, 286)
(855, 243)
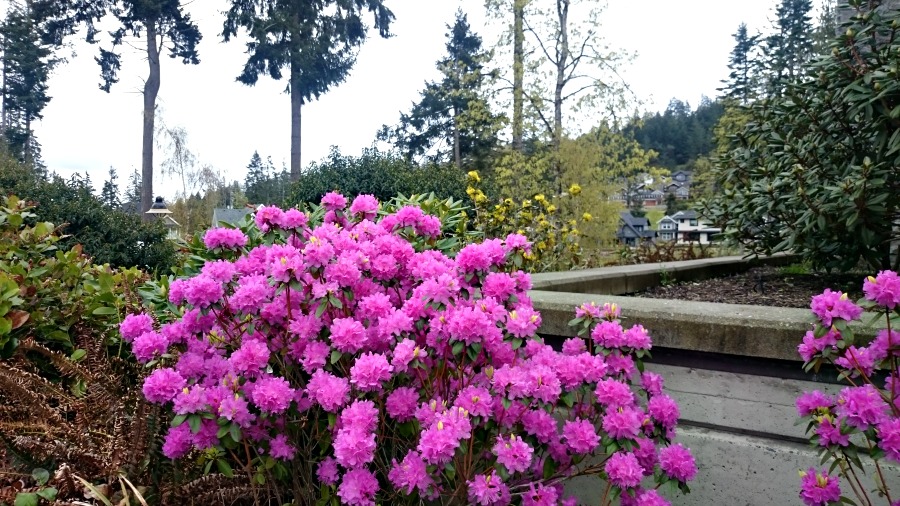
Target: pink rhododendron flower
(609, 334)
(358, 487)
(134, 325)
(226, 238)
(814, 402)
(293, 219)
(580, 436)
(329, 391)
(178, 442)
(664, 410)
(279, 448)
(488, 490)
(163, 385)
(401, 403)
(889, 434)
(327, 471)
(623, 423)
(148, 345)
(652, 382)
(677, 462)
(266, 217)
(540, 495)
(830, 305)
(614, 394)
(819, 488)
(365, 206)
(411, 474)
(334, 201)
(829, 432)
(861, 406)
(250, 357)
(272, 394)
(623, 470)
(883, 289)
(347, 335)
(514, 453)
(369, 371)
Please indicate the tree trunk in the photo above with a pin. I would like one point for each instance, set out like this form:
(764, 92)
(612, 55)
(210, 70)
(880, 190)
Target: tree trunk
(562, 53)
(457, 156)
(518, 73)
(151, 90)
(296, 110)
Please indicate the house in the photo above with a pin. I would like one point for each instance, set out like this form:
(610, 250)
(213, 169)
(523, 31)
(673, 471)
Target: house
(232, 217)
(685, 227)
(681, 177)
(634, 231)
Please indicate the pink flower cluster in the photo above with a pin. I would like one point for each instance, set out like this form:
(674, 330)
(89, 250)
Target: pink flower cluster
(421, 375)
(868, 411)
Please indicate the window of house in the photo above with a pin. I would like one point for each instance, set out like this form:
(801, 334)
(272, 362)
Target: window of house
(693, 223)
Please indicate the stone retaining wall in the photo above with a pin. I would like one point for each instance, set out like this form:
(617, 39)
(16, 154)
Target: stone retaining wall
(735, 373)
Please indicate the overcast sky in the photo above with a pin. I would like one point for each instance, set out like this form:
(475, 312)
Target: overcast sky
(682, 51)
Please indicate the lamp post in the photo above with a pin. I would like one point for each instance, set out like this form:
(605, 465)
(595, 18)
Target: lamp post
(160, 212)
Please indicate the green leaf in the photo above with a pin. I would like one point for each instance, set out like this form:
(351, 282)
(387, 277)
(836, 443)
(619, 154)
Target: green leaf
(336, 356)
(458, 347)
(194, 421)
(104, 310)
(40, 475)
(225, 468)
(48, 493)
(235, 432)
(26, 499)
(178, 420)
(78, 355)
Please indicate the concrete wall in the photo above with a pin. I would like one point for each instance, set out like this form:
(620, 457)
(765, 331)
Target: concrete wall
(735, 373)
(624, 279)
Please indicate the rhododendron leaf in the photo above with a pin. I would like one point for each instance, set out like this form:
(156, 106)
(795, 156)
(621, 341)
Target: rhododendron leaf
(225, 468)
(332, 419)
(26, 499)
(260, 478)
(194, 421)
(568, 398)
(235, 432)
(222, 431)
(820, 331)
(574, 321)
(506, 403)
(550, 468)
(320, 310)
(458, 347)
(639, 364)
(103, 310)
(516, 343)
(335, 302)
(472, 353)
(48, 493)
(336, 356)
(450, 471)
(78, 355)
(178, 420)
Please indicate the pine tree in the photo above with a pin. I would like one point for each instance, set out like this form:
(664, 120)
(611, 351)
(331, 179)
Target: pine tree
(156, 25)
(27, 62)
(452, 121)
(109, 195)
(790, 46)
(743, 67)
(315, 41)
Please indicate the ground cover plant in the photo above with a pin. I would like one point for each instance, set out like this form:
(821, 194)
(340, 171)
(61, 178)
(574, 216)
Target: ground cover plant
(862, 422)
(353, 362)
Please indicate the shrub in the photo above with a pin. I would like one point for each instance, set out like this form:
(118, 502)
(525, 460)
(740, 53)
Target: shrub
(381, 174)
(353, 362)
(864, 418)
(69, 400)
(555, 237)
(814, 172)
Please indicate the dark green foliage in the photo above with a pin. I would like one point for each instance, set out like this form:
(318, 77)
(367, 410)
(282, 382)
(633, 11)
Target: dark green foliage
(264, 184)
(790, 46)
(815, 171)
(679, 135)
(316, 40)
(27, 62)
(109, 195)
(377, 173)
(452, 121)
(744, 67)
(107, 235)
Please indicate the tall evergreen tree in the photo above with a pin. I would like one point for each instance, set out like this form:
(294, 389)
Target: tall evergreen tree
(27, 62)
(453, 120)
(162, 24)
(316, 40)
(790, 45)
(743, 67)
(109, 195)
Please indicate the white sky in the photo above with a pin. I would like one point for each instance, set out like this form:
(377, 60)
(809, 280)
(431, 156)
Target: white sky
(682, 49)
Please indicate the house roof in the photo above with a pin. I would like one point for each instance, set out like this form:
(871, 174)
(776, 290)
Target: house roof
(685, 215)
(666, 218)
(230, 216)
(630, 224)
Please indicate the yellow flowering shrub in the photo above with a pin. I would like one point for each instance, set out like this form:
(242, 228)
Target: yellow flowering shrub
(555, 238)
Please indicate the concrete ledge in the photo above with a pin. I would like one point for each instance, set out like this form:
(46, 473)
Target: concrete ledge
(735, 329)
(633, 278)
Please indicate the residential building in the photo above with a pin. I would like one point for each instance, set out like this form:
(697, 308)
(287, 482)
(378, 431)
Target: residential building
(634, 231)
(686, 227)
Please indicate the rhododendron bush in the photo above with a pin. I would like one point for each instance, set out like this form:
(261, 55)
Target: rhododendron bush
(864, 417)
(354, 364)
